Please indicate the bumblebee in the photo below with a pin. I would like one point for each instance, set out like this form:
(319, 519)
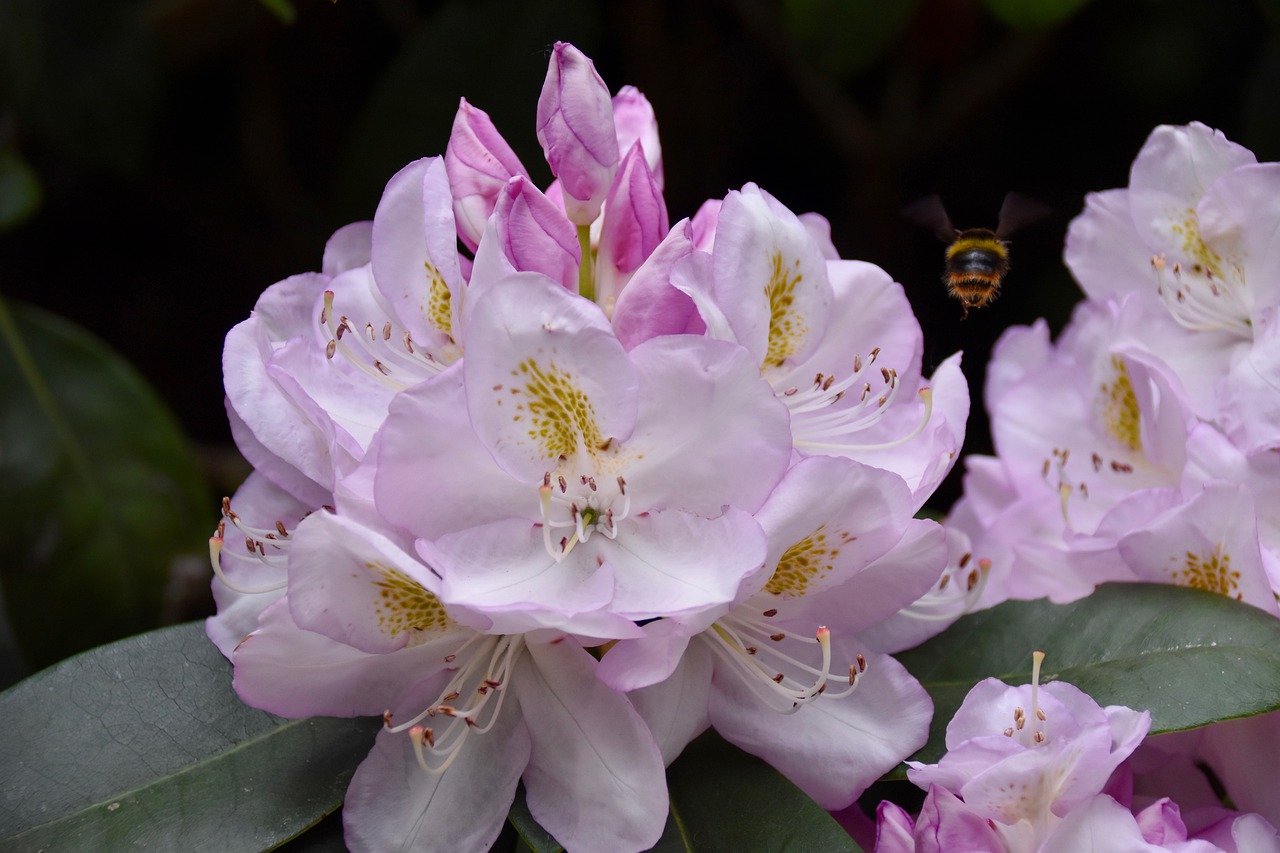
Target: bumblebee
(977, 259)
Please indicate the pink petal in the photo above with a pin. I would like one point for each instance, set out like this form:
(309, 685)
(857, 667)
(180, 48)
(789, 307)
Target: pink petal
(595, 779)
(393, 804)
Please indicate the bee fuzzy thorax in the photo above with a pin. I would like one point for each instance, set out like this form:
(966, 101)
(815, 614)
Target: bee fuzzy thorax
(976, 262)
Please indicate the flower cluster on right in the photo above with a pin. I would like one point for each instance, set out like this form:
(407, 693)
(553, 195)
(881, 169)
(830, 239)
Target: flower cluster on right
(1142, 445)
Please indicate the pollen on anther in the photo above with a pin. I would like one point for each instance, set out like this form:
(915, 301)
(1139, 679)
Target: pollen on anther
(770, 613)
(777, 637)
(862, 664)
(386, 718)
(778, 678)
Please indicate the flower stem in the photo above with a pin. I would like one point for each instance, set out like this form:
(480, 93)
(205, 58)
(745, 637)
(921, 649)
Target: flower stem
(586, 270)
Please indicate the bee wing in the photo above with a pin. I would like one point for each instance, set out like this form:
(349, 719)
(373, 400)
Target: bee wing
(1019, 211)
(930, 213)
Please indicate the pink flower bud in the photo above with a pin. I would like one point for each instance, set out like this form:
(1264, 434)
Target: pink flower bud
(575, 128)
(479, 163)
(533, 235)
(635, 222)
(633, 117)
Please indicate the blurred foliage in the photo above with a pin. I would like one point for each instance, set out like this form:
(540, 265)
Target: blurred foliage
(19, 189)
(102, 496)
(844, 37)
(83, 76)
(1033, 14)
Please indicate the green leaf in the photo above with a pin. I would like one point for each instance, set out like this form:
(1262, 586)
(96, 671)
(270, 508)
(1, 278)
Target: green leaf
(143, 745)
(19, 189)
(101, 490)
(531, 833)
(723, 799)
(1033, 14)
(1189, 657)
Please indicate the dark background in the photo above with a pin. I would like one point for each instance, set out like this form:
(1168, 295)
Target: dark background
(191, 152)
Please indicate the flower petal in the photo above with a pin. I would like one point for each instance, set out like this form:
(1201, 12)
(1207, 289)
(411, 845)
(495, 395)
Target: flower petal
(295, 673)
(554, 382)
(650, 305)
(595, 779)
(415, 251)
(353, 585)
(833, 748)
(393, 804)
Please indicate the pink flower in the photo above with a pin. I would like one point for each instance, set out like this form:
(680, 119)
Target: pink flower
(362, 630)
(843, 555)
(576, 130)
(1026, 757)
(835, 339)
(1192, 239)
(568, 478)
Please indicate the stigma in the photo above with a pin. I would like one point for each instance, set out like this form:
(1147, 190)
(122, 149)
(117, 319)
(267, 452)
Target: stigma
(574, 508)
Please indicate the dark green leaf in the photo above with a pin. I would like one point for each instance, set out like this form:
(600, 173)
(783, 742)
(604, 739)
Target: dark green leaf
(19, 189)
(724, 799)
(1033, 14)
(1190, 657)
(143, 745)
(101, 491)
(534, 836)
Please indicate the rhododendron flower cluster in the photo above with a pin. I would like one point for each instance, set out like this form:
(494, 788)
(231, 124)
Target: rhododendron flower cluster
(1144, 444)
(1040, 768)
(552, 486)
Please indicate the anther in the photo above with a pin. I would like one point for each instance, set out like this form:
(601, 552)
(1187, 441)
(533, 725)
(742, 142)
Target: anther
(770, 613)
(386, 718)
(777, 638)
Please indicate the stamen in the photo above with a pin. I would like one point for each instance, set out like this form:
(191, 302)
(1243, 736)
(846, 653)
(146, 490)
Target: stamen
(926, 395)
(215, 560)
(483, 676)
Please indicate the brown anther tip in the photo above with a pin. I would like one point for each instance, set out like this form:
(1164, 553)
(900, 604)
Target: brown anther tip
(778, 678)
(751, 650)
(429, 736)
(973, 579)
(853, 673)
(331, 348)
(450, 658)
(965, 558)
(770, 613)
(471, 722)
(862, 664)
(1008, 732)
(1040, 715)
(1039, 738)
(777, 637)
(942, 584)
(386, 331)
(386, 718)
(281, 529)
